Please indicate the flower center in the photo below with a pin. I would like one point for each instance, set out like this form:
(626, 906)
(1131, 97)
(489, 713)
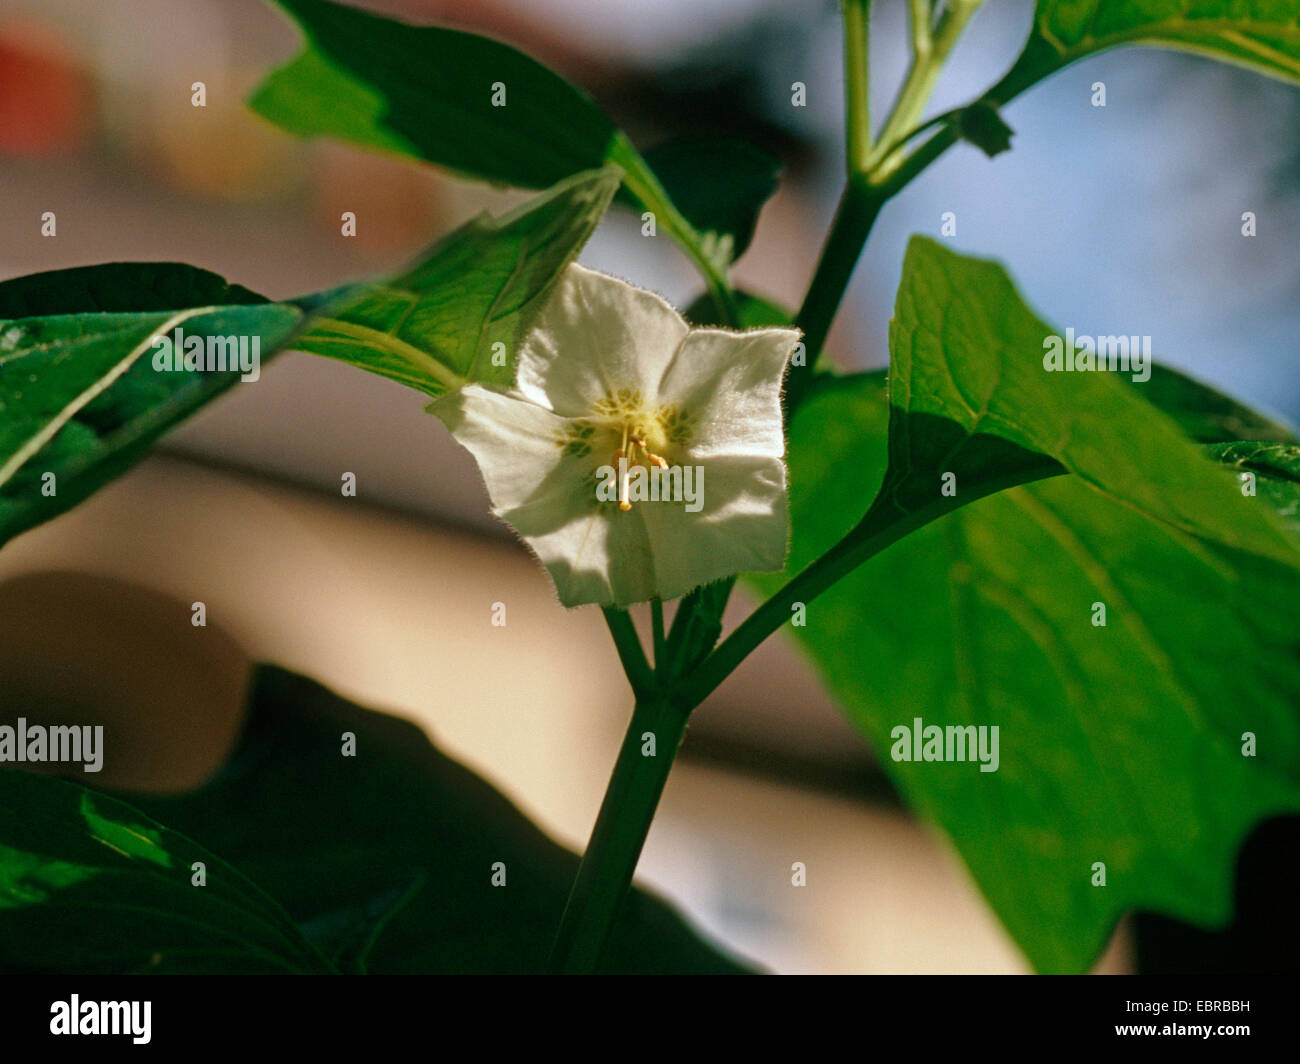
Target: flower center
(636, 452)
(639, 436)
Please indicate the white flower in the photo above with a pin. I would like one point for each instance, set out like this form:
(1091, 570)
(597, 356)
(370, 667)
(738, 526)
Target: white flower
(611, 372)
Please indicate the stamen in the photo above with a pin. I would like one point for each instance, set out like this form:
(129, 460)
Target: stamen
(624, 503)
(639, 442)
(632, 442)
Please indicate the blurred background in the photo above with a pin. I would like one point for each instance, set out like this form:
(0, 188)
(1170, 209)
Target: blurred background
(1124, 219)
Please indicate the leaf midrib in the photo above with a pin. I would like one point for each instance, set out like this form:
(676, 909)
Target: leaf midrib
(51, 428)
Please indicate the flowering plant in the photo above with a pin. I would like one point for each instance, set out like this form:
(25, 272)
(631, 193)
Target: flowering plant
(985, 557)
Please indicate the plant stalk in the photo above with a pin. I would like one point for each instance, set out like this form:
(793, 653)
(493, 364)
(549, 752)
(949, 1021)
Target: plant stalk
(630, 651)
(657, 628)
(605, 874)
(931, 47)
(859, 206)
(857, 98)
(665, 698)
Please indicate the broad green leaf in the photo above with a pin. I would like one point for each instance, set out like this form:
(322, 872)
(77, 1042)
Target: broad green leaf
(427, 92)
(963, 347)
(1119, 744)
(402, 831)
(719, 184)
(79, 395)
(90, 885)
(1262, 35)
(434, 328)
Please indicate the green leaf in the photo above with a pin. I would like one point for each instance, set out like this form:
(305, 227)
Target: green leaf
(1262, 35)
(434, 327)
(1277, 473)
(427, 92)
(119, 288)
(982, 125)
(333, 837)
(1206, 415)
(91, 885)
(1119, 744)
(964, 347)
(79, 397)
(752, 312)
(719, 184)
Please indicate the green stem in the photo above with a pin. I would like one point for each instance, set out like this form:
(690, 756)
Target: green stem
(630, 651)
(921, 14)
(883, 172)
(864, 196)
(605, 875)
(657, 623)
(930, 50)
(857, 100)
(724, 296)
(857, 212)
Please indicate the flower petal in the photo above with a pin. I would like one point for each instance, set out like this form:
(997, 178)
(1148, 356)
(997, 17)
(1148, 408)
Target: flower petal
(743, 526)
(549, 498)
(730, 383)
(516, 444)
(601, 557)
(614, 557)
(595, 336)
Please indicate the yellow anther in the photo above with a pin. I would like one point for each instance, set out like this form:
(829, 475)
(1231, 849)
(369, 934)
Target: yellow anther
(627, 454)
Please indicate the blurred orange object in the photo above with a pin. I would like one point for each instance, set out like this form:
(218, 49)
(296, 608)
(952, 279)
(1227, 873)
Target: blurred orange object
(44, 91)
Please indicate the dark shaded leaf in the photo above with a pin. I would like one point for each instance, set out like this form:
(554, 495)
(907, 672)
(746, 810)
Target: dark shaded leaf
(91, 885)
(427, 92)
(327, 835)
(719, 184)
